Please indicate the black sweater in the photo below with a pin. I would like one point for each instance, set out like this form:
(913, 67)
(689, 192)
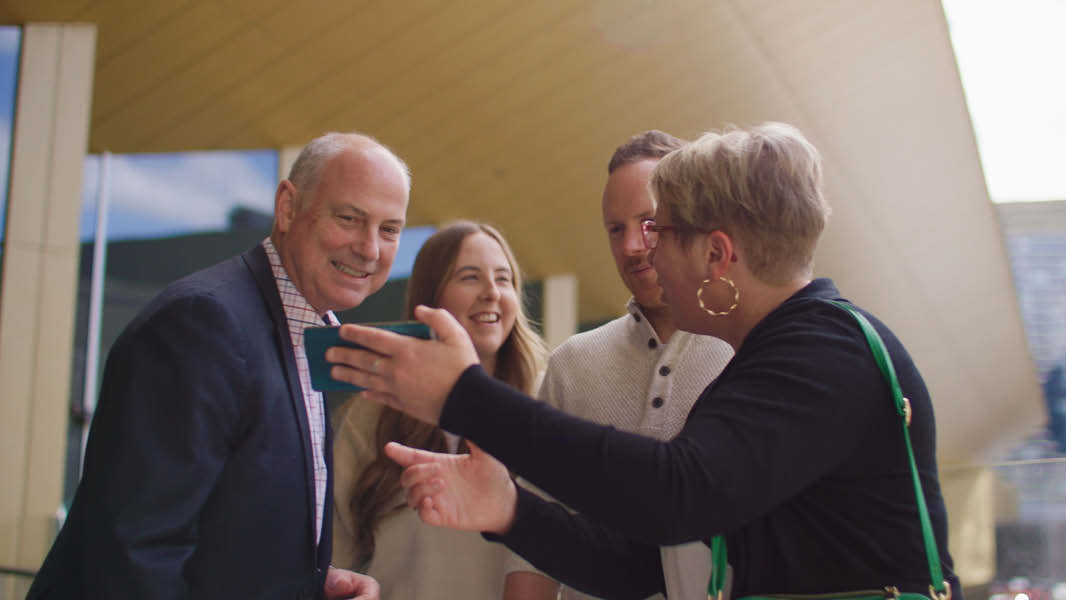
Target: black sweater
(795, 452)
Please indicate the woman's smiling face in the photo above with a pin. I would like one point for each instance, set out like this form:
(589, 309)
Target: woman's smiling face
(480, 293)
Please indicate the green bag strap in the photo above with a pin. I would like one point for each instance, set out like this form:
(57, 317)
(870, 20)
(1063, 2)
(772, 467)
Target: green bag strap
(718, 568)
(939, 587)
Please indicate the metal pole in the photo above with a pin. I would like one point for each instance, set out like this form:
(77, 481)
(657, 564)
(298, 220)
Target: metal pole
(96, 295)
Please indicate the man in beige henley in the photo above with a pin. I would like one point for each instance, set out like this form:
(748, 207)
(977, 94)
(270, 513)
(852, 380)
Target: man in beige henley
(637, 372)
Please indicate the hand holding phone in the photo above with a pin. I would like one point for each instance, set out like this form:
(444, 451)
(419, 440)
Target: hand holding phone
(319, 339)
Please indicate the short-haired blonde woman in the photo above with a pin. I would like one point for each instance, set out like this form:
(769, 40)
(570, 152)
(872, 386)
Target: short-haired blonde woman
(796, 453)
(467, 269)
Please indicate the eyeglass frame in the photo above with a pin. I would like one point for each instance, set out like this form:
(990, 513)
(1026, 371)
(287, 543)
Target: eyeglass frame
(647, 225)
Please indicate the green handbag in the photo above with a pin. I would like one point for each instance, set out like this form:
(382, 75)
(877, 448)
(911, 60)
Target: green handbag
(939, 589)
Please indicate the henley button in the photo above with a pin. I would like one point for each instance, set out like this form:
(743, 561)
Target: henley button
(657, 402)
(664, 370)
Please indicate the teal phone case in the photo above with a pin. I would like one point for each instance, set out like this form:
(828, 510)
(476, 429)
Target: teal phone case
(318, 339)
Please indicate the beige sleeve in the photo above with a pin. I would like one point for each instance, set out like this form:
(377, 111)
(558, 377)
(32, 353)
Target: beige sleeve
(353, 449)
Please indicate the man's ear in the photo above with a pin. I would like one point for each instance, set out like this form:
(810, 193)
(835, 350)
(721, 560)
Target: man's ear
(719, 253)
(285, 205)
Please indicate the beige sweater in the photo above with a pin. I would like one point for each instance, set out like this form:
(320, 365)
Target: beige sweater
(412, 560)
(615, 375)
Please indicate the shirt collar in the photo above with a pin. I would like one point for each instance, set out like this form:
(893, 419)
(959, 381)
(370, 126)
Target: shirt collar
(637, 314)
(298, 311)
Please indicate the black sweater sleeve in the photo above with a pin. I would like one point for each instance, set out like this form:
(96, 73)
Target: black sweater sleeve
(764, 431)
(580, 553)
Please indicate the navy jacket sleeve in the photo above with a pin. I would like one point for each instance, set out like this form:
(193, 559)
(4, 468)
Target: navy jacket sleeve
(168, 414)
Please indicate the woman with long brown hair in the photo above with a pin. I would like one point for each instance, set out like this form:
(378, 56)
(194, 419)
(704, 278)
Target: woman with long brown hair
(469, 270)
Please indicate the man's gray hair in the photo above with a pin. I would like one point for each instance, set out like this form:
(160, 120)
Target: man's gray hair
(317, 153)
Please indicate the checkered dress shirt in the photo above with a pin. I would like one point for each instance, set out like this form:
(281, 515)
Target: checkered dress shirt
(301, 315)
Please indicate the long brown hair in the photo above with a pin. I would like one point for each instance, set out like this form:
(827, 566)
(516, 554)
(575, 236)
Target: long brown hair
(519, 361)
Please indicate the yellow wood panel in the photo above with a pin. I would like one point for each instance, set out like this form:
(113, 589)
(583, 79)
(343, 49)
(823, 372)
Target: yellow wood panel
(189, 95)
(486, 62)
(292, 24)
(177, 45)
(460, 74)
(557, 92)
(283, 31)
(276, 104)
(235, 96)
(300, 48)
(373, 71)
(125, 24)
(167, 44)
(20, 12)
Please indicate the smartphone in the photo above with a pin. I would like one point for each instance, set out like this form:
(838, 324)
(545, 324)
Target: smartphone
(318, 339)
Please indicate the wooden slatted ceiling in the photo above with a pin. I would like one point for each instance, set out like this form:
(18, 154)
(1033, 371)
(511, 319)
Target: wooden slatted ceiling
(508, 111)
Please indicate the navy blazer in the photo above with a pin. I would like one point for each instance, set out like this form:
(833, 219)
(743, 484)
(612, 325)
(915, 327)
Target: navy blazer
(198, 480)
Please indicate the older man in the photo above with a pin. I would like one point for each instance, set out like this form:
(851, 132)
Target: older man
(637, 372)
(207, 467)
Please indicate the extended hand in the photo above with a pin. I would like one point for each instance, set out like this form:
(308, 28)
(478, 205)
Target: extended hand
(461, 491)
(406, 373)
(341, 583)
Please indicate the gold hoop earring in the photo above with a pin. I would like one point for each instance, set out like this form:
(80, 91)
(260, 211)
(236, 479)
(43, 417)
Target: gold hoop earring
(736, 298)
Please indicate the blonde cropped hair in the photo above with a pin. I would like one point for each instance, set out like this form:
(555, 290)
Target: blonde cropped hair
(761, 185)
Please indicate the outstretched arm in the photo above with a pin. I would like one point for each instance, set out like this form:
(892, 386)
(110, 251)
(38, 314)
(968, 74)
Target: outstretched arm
(755, 439)
(475, 492)
(461, 491)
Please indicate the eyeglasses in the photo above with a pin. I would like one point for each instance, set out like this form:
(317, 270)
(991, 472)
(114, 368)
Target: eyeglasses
(651, 231)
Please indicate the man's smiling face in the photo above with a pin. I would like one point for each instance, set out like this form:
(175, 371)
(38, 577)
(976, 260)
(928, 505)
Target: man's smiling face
(337, 241)
(626, 202)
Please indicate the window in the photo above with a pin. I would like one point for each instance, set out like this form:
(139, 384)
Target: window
(10, 38)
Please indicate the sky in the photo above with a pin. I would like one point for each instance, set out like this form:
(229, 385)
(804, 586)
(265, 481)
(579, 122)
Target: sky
(9, 44)
(154, 195)
(1011, 58)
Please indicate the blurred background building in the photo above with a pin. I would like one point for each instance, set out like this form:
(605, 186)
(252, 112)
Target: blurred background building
(140, 141)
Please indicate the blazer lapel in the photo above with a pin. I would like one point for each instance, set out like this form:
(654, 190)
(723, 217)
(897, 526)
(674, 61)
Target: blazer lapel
(325, 543)
(259, 265)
